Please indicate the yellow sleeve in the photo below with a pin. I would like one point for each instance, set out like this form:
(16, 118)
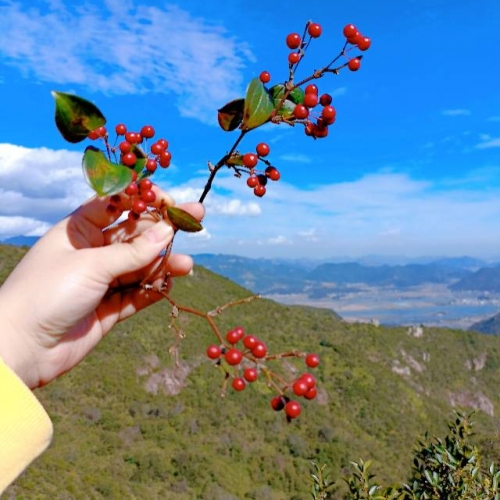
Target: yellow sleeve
(25, 427)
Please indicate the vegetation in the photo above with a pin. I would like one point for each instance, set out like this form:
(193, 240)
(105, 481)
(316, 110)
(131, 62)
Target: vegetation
(130, 423)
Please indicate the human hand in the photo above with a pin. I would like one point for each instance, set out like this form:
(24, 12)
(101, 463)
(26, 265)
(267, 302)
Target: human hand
(77, 282)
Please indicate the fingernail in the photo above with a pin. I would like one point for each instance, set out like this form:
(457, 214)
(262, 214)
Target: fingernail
(160, 232)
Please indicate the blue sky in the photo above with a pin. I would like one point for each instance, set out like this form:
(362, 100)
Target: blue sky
(411, 166)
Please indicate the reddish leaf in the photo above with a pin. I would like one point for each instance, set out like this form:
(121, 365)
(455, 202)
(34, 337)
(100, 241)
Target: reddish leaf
(231, 115)
(76, 117)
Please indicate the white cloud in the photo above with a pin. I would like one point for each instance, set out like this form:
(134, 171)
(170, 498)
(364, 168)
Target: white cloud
(455, 112)
(128, 48)
(383, 212)
(27, 226)
(296, 158)
(40, 183)
(489, 143)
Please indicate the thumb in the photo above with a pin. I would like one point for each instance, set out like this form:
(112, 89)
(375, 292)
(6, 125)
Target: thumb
(121, 258)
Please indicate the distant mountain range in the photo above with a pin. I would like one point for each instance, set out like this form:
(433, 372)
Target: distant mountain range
(270, 276)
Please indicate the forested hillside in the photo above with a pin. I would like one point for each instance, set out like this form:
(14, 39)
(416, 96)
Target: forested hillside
(129, 423)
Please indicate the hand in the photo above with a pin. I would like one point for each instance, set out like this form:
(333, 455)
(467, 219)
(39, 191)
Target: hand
(77, 282)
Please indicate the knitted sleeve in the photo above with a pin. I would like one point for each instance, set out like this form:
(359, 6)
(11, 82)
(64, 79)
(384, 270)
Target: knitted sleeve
(25, 427)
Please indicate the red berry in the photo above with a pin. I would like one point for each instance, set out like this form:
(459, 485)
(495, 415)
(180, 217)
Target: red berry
(151, 165)
(364, 43)
(354, 64)
(233, 356)
(250, 160)
(252, 181)
(133, 137)
(163, 142)
(93, 135)
(273, 173)
(300, 387)
(148, 196)
(309, 379)
(157, 148)
(310, 100)
(293, 57)
(311, 89)
(259, 190)
(132, 216)
(249, 341)
(132, 189)
(301, 112)
(325, 99)
(129, 159)
(101, 131)
(320, 131)
(293, 41)
(147, 131)
(125, 147)
(353, 40)
(328, 113)
(234, 336)
(310, 129)
(314, 29)
(292, 409)
(238, 384)
(349, 30)
(265, 77)
(262, 149)
(278, 403)
(311, 393)
(139, 206)
(213, 351)
(121, 129)
(260, 350)
(164, 159)
(312, 360)
(145, 184)
(250, 374)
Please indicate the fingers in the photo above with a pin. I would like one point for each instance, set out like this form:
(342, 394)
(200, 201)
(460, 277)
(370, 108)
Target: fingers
(127, 229)
(95, 210)
(127, 257)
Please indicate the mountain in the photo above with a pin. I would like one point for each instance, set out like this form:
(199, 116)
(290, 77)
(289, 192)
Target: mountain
(21, 241)
(142, 416)
(484, 280)
(397, 276)
(490, 325)
(268, 276)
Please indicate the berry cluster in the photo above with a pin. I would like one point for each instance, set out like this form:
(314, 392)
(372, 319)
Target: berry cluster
(142, 165)
(257, 181)
(248, 362)
(294, 41)
(355, 38)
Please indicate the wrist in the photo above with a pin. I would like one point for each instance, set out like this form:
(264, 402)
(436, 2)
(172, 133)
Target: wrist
(14, 350)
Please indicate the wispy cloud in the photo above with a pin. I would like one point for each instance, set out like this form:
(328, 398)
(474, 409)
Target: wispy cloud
(455, 112)
(296, 158)
(489, 143)
(126, 48)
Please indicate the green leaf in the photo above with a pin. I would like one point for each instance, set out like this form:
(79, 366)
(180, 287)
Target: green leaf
(258, 105)
(231, 115)
(286, 109)
(183, 220)
(105, 177)
(296, 95)
(76, 117)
